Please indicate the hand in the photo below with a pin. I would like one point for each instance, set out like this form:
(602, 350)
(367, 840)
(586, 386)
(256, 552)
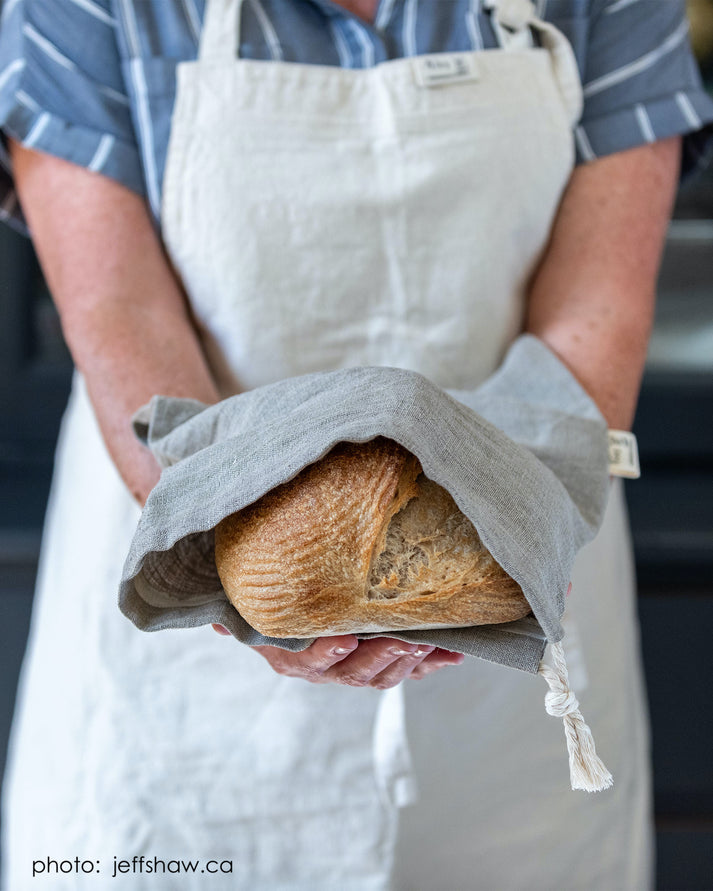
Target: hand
(379, 662)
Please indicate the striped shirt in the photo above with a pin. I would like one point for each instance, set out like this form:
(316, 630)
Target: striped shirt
(93, 81)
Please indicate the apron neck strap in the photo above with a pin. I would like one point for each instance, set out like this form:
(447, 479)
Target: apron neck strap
(512, 22)
(220, 35)
(514, 14)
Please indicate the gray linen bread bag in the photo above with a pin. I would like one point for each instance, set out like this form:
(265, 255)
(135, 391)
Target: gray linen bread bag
(525, 457)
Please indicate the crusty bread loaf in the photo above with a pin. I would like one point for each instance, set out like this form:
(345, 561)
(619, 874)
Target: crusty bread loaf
(360, 541)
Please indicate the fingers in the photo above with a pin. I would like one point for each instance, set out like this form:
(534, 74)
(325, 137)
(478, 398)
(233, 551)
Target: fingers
(437, 659)
(379, 662)
(312, 663)
(374, 656)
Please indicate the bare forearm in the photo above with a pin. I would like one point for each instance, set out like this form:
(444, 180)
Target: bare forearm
(592, 298)
(127, 354)
(123, 312)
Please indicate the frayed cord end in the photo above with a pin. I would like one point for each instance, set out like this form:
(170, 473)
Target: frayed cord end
(586, 770)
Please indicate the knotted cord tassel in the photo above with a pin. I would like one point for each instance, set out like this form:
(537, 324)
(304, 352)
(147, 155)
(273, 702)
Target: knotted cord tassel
(586, 770)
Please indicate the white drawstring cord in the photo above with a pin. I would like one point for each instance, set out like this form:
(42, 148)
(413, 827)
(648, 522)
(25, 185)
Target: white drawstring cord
(586, 770)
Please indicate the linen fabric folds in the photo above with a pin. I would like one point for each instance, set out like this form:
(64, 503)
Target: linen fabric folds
(524, 456)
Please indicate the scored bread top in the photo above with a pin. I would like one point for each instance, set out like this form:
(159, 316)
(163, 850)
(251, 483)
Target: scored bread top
(360, 541)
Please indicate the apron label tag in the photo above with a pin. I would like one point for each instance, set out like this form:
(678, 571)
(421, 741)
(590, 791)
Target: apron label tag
(443, 68)
(623, 455)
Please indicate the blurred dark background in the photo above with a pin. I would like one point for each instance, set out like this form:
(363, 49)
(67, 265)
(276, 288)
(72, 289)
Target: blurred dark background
(671, 506)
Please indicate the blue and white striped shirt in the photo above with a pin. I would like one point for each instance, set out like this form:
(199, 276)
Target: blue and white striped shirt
(93, 81)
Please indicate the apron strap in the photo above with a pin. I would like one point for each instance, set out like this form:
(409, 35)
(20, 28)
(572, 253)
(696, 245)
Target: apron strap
(512, 21)
(220, 35)
(564, 68)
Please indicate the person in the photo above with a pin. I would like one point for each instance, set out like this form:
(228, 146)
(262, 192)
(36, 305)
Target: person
(222, 195)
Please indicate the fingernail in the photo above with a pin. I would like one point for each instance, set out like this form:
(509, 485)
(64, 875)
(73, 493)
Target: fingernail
(425, 651)
(340, 651)
(221, 629)
(451, 654)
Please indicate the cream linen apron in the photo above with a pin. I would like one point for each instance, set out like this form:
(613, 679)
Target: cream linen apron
(321, 218)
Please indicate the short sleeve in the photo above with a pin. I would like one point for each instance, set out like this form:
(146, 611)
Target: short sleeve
(641, 82)
(62, 92)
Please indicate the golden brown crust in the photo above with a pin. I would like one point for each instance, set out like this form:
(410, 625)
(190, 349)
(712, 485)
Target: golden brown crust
(360, 542)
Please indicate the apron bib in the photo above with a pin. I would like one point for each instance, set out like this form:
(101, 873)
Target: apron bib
(321, 217)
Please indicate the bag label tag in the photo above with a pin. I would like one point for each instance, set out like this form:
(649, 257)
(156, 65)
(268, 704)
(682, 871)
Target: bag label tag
(444, 68)
(623, 455)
